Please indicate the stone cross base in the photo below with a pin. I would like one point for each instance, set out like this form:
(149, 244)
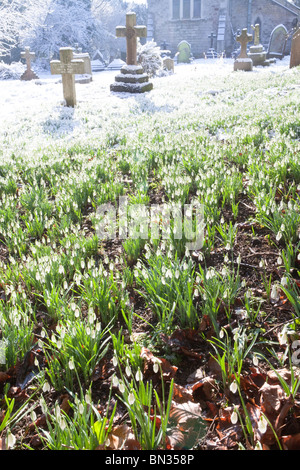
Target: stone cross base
(131, 79)
(29, 75)
(244, 64)
(258, 55)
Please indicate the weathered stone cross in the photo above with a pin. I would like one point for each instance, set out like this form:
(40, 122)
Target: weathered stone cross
(67, 67)
(28, 56)
(244, 38)
(212, 36)
(131, 32)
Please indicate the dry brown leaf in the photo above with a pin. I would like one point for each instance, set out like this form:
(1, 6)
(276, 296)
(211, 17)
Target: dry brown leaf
(118, 436)
(4, 377)
(291, 442)
(271, 397)
(181, 394)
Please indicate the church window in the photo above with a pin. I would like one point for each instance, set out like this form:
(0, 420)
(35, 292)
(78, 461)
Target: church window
(186, 9)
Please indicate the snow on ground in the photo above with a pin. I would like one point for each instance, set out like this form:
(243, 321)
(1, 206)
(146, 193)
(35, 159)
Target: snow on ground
(33, 118)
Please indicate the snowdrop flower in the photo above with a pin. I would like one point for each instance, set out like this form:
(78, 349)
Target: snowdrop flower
(139, 376)
(46, 387)
(234, 417)
(262, 424)
(255, 360)
(233, 387)
(274, 292)
(131, 398)
(115, 381)
(128, 371)
(121, 387)
(71, 364)
(10, 440)
(81, 408)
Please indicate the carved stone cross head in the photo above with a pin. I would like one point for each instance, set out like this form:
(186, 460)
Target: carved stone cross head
(131, 32)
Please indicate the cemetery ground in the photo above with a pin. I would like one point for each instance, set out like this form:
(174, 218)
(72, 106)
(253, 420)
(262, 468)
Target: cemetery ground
(143, 344)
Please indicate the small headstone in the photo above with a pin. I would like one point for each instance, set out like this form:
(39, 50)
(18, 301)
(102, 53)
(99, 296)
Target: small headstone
(116, 64)
(132, 78)
(184, 52)
(277, 42)
(257, 52)
(87, 78)
(97, 65)
(28, 56)
(243, 62)
(68, 67)
(168, 64)
(295, 50)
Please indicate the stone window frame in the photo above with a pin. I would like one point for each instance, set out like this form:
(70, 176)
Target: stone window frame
(181, 17)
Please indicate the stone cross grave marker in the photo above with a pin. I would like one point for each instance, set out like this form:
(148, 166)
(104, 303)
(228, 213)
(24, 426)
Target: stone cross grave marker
(132, 78)
(28, 56)
(243, 39)
(131, 32)
(212, 36)
(67, 67)
(243, 62)
(295, 50)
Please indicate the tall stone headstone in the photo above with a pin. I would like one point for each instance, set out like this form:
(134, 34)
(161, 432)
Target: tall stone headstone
(132, 78)
(243, 62)
(295, 49)
(67, 66)
(183, 52)
(28, 56)
(277, 42)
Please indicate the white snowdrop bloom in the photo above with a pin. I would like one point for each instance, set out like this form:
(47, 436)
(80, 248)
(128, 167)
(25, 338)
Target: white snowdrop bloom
(255, 360)
(121, 387)
(139, 376)
(115, 381)
(128, 371)
(81, 408)
(234, 417)
(274, 292)
(71, 364)
(61, 269)
(233, 387)
(46, 387)
(278, 236)
(262, 425)
(155, 367)
(10, 440)
(131, 398)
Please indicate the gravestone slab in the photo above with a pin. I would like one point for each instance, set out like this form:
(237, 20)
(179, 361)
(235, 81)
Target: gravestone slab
(277, 42)
(28, 56)
(131, 78)
(295, 50)
(168, 64)
(87, 67)
(67, 66)
(184, 53)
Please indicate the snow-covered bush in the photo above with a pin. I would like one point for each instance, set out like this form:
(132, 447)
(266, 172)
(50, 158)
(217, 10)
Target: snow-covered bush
(11, 72)
(149, 56)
